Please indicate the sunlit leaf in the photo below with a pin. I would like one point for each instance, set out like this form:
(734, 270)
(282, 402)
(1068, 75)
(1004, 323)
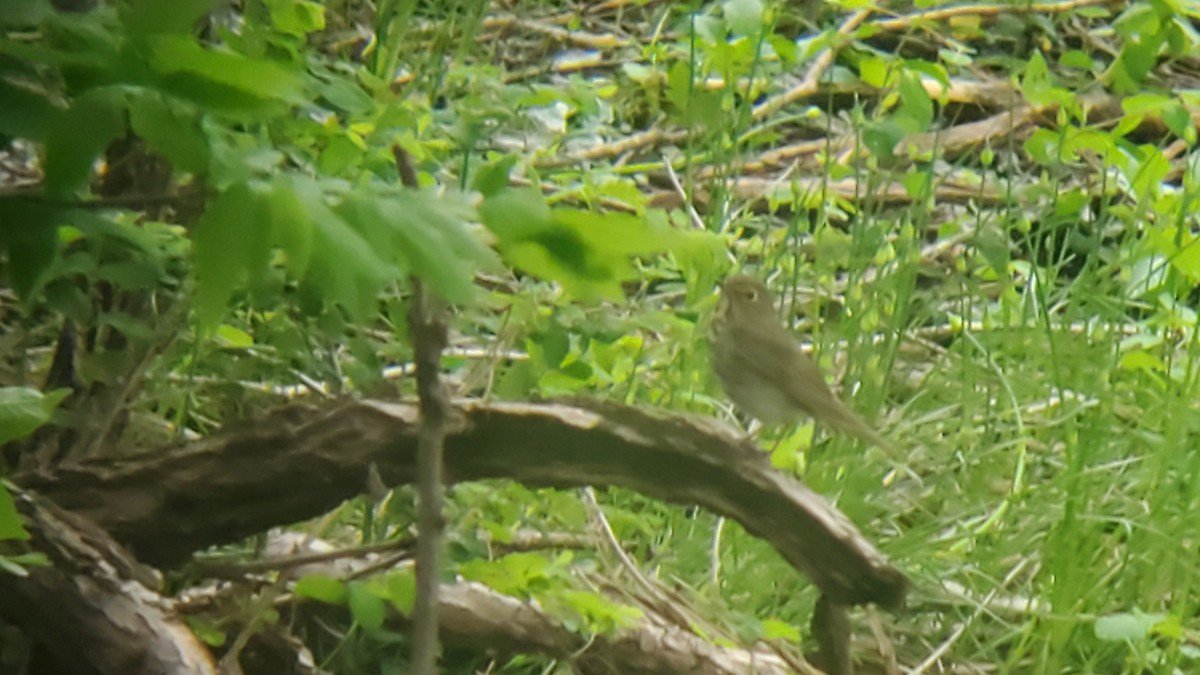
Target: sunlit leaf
(322, 588)
(220, 79)
(23, 410)
(745, 17)
(401, 590)
(516, 574)
(11, 526)
(600, 614)
(367, 608)
(296, 17)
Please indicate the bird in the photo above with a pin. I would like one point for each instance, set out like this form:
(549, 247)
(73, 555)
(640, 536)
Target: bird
(763, 370)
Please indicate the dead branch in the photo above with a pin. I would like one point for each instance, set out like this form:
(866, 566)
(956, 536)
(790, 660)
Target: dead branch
(302, 460)
(94, 598)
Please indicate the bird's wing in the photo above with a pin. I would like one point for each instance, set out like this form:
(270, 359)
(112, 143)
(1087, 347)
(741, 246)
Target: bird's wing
(799, 377)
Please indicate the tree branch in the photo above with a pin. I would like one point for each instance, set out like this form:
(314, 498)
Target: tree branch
(301, 461)
(427, 328)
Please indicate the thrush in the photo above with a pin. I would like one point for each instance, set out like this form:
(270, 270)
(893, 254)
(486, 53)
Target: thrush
(763, 370)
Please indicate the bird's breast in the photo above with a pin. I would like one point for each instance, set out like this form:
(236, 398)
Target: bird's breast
(763, 401)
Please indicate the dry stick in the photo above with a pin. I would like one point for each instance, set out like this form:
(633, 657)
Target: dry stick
(627, 144)
(697, 221)
(216, 567)
(935, 656)
(812, 78)
(807, 87)
(809, 84)
(572, 37)
(427, 325)
(905, 22)
(663, 603)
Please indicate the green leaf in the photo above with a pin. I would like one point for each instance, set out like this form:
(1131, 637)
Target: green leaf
(589, 253)
(16, 564)
(874, 71)
(882, 137)
(1144, 103)
(516, 574)
(693, 105)
(292, 228)
(490, 179)
(400, 588)
(345, 267)
(296, 17)
(601, 615)
(516, 215)
(1177, 118)
(221, 80)
(993, 244)
(233, 338)
(339, 155)
(1151, 167)
(344, 94)
(143, 17)
(321, 588)
(23, 410)
(78, 136)
(231, 240)
(745, 17)
(702, 259)
(916, 104)
(1077, 58)
(1137, 58)
(208, 630)
(1043, 145)
(172, 129)
(25, 113)
(1127, 627)
(30, 237)
(23, 13)
(1181, 248)
(365, 605)
(11, 526)
(436, 243)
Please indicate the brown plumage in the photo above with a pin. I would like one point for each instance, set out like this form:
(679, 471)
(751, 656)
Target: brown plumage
(763, 370)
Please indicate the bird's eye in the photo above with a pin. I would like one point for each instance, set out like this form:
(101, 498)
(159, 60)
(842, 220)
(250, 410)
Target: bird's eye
(752, 295)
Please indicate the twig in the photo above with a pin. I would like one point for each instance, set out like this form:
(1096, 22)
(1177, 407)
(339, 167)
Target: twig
(237, 569)
(675, 611)
(427, 325)
(906, 22)
(714, 554)
(812, 78)
(941, 650)
(576, 38)
(628, 144)
(697, 221)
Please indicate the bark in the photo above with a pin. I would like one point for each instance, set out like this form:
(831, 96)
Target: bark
(93, 607)
(303, 460)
